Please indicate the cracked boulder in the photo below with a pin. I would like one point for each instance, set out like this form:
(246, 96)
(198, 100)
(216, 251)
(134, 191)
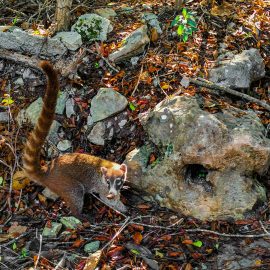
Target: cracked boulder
(207, 165)
(239, 71)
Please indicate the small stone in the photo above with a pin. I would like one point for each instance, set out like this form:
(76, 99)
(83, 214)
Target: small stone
(64, 145)
(90, 121)
(106, 103)
(70, 222)
(134, 60)
(72, 40)
(28, 74)
(19, 81)
(4, 117)
(147, 7)
(52, 230)
(92, 247)
(122, 123)
(49, 194)
(185, 81)
(106, 12)
(70, 107)
(163, 118)
(96, 135)
(110, 134)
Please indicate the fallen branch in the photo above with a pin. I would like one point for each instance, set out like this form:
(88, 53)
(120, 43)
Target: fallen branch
(211, 85)
(19, 58)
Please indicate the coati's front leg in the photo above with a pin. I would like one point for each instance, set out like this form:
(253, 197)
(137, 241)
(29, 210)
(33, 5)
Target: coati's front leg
(74, 197)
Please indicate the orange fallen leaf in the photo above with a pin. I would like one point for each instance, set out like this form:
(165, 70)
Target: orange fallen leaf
(187, 242)
(78, 243)
(144, 206)
(175, 254)
(137, 237)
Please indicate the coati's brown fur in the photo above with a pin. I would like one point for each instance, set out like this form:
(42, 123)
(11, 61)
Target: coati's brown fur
(71, 175)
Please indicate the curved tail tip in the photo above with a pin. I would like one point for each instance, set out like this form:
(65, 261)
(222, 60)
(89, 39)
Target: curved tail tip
(46, 66)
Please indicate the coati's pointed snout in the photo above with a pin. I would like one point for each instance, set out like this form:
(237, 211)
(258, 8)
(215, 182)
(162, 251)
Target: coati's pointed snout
(111, 196)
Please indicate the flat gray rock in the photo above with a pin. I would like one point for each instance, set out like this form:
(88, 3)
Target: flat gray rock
(106, 103)
(72, 40)
(240, 71)
(21, 41)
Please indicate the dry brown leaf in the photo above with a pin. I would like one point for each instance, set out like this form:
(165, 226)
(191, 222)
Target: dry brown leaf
(20, 181)
(92, 260)
(223, 10)
(188, 266)
(154, 35)
(15, 229)
(187, 242)
(137, 237)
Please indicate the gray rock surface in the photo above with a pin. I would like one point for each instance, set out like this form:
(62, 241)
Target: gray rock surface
(91, 247)
(208, 162)
(21, 41)
(70, 222)
(134, 45)
(72, 40)
(240, 71)
(4, 117)
(32, 112)
(64, 145)
(106, 12)
(92, 27)
(52, 230)
(97, 133)
(106, 103)
(152, 20)
(243, 256)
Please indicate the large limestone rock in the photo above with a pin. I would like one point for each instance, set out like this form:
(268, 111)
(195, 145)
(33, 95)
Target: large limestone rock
(240, 71)
(21, 41)
(133, 45)
(208, 162)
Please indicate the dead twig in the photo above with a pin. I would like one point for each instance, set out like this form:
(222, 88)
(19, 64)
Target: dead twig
(39, 251)
(138, 81)
(228, 235)
(264, 229)
(125, 224)
(210, 85)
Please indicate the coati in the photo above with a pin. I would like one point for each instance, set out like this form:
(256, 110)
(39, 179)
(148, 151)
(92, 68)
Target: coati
(70, 175)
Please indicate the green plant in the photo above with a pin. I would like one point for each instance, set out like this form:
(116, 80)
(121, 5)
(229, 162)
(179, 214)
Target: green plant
(24, 253)
(186, 24)
(14, 21)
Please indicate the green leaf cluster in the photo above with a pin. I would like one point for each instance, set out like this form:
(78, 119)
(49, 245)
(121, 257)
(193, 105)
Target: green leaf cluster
(186, 24)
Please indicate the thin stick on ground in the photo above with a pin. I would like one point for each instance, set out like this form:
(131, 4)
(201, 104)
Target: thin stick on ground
(125, 224)
(39, 251)
(210, 85)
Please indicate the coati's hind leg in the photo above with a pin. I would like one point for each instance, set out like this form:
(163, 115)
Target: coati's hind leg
(74, 197)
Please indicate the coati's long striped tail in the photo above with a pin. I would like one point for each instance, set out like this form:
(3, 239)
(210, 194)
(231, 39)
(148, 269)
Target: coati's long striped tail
(31, 155)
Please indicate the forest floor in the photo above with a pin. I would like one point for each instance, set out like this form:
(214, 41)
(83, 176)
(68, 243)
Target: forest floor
(149, 237)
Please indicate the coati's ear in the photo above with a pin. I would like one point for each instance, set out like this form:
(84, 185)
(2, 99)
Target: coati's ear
(104, 170)
(123, 168)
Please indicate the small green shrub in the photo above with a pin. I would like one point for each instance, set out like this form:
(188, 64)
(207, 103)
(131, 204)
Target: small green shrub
(186, 24)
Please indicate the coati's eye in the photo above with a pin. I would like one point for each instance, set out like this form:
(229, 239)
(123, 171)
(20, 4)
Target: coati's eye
(118, 182)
